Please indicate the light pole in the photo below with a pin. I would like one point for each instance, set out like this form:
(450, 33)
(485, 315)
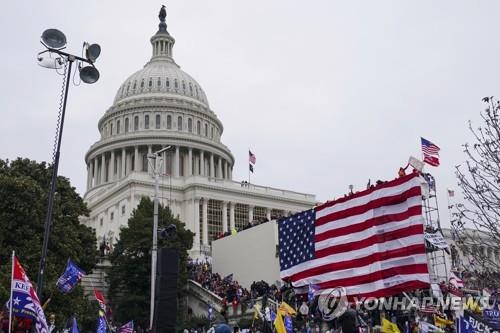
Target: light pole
(54, 42)
(154, 251)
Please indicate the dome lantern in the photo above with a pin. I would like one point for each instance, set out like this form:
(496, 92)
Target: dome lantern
(162, 42)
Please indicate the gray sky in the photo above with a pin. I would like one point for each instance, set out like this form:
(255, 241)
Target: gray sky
(325, 93)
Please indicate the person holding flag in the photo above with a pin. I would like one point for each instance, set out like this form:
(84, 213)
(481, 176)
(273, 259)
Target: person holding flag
(24, 301)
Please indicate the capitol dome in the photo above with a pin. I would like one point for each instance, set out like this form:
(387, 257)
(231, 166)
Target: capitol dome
(161, 76)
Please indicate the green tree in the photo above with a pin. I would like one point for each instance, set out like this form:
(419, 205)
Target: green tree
(24, 186)
(130, 273)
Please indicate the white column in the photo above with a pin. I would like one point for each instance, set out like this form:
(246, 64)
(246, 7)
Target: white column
(136, 159)
(224, 216)
(176, 161)
(230, 172)
(196, 168)
(250, 213)
(205, 221)
(196, 218)
(129, 162)
(150, 151)
(88, 176)
(219, 167)
(190, 162)
(112, 167)
(164, 164)
(231, 216)
(226, 176)
(95, 173)
(202, 164)
(103, 168)
(212, 167)
(124, 163)
(268, 213)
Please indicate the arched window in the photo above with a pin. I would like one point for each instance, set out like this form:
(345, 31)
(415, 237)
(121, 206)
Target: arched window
(128, 87)
(212, 133)
(190, 125)
(196, 89)
(111, 129)
(126, 125)
(184, 86)
(206, 129)
(158, 83)
(190, 89)
(167, 83)
(169, 122)
(157, 121)
(146, 121)
(142, 83)
(136, 123)
(179, 123)
(176, 85)
(150, 82)
(135, 85)
(117, 127)
(198, 127)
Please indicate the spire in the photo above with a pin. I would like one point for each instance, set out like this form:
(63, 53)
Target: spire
(162, 42)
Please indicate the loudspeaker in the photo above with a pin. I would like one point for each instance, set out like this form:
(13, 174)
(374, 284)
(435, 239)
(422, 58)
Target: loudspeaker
(167, 274)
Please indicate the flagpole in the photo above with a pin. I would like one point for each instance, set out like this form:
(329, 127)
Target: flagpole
(11, 291)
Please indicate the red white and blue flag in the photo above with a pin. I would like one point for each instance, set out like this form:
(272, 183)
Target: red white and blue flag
(251, 157)
(371, 243)
(127, 328)
(430, 152)
(25, 302)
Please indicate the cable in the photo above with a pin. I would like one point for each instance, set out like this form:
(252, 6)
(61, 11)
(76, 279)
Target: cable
(59, 114)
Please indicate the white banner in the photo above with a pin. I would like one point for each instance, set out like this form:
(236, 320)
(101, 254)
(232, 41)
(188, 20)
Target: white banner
(436, 239)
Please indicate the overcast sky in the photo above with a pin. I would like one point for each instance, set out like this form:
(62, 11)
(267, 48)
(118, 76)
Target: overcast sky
(325, 93)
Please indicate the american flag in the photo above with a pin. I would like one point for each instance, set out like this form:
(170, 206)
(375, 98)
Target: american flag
(430, 152)
(127, 328)
(371, 243)
(251, 157)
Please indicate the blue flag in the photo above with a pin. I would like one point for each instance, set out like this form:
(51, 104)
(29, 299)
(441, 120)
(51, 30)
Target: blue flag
(288, 324)
(70, 278)
(101, 324)
(74, 326)
(312, 292)
(210, 313)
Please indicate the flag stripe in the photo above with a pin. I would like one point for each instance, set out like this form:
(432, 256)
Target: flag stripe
(360, 262)
(379, 220)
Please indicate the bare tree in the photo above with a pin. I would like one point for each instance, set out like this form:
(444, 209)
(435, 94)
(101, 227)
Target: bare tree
(476, 223)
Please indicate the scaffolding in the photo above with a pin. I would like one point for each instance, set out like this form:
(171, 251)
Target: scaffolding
(436, 258)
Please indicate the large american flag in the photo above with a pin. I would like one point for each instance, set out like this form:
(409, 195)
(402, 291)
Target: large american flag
(371, 243)
(430, 152)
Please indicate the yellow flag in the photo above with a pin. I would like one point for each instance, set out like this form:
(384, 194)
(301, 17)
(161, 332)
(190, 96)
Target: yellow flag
(389, 327)
(442, 322)
(233, 231)
(286, 309)
(256, 311)
(279, 324)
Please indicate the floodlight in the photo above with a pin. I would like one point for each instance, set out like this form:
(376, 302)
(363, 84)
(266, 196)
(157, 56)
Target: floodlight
(93, 51)
(89, 74)
(53, 38)
(49, 62)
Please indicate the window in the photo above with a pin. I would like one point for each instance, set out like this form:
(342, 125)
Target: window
(101, 221)
(111, 129)
(212, 133)
(145, 162)
(157, 121)
(123, 210)
(158, 83)
(198, 127)
(150, 83)
(196, 89)
(190, 89)
(214, 219)
(167, 83)
(117, 127)
(183, 86)
(169, 122)
(146, 121)
(179, 123)
(111, 216)
(128, 87)
(259, 214)
(126, 125)
(206, 130)
(135, 85)
(176, 85)
(142, 83)
(136, 123)
(190, 125)
(240, 216)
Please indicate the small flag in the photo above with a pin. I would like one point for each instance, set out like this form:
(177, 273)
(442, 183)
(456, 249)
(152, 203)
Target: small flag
(430, 152)
(210, 314)
(251, 157)
(100, 298)
(312, 292)
(70, 278)
(250, 166)
(288, 324)
(101, 323)
(127, 328)
(74, 326)
(25, 302)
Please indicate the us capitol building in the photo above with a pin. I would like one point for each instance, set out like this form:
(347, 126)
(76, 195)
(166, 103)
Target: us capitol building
(158, 106)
